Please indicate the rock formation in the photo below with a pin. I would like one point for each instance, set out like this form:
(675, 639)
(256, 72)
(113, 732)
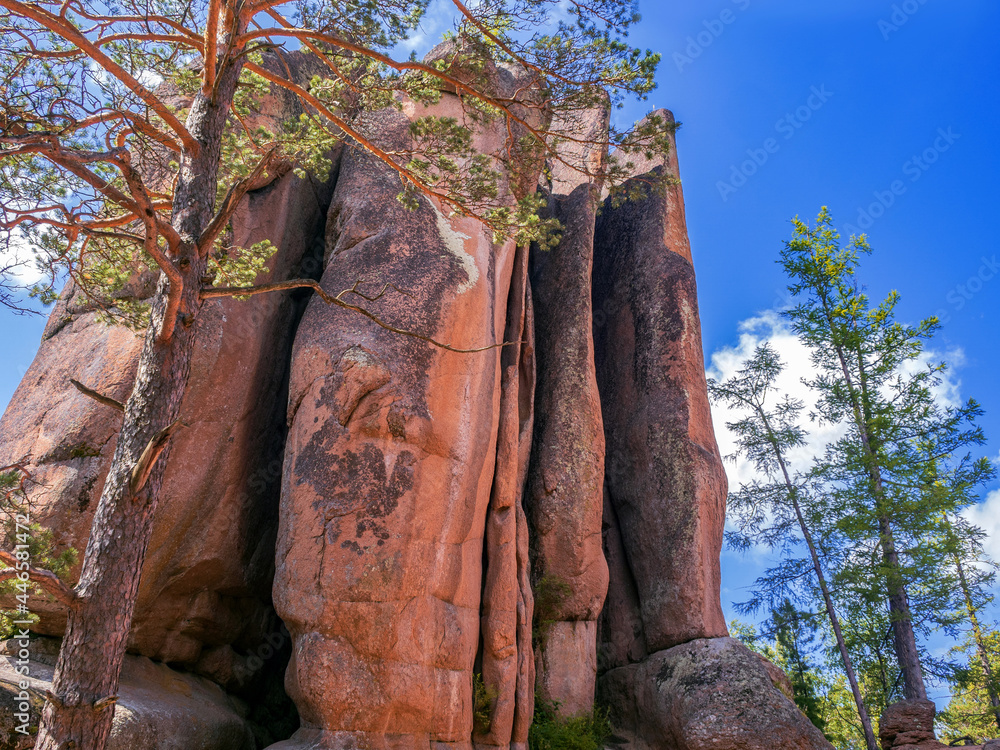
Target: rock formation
(705, 694)
(205, 586)
(428, 497)
(566, 478)
(909, 725)
(204, 600)
(401, 457)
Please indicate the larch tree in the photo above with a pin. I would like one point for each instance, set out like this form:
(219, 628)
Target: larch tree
(873, 376)
(772, 510)
(973, 579)
(125, 147)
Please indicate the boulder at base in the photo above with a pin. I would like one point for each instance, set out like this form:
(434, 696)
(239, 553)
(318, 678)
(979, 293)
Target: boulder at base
(909, 725)
(709, 694)
(158, 708)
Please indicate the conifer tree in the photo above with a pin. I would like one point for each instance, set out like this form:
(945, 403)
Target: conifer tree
(773, 510)
(794, 634)
(873, 376)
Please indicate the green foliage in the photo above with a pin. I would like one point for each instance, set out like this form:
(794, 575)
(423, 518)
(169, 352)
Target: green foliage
(80, 213)
(44, 554)
(483, 698)
(840, 715)
(819, 689)
(39, 544)
(550, 732)
(794, 636)
(768, 428)
(239, 266)
(903, 466)
(747, 634)
(549, 592)
(883, 503)
(970, 712)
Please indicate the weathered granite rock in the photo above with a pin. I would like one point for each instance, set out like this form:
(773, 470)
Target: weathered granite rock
(909, 725)
(778, 677)
(566, 476)
(664, 474)
(158, 708)
(709, 694)
(389, 468)
(205, 588)
(507, 604)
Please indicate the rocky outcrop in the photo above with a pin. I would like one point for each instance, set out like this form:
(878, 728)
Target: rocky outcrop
(664, 475)
(566, 478)
(204, 598)
(672, 679)
(708, 694)
(555, 485)
(392, 471)
(508, 669)
(157, 709)
(909, 725)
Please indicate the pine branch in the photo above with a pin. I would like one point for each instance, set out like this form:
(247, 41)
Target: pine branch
(237, 291)
(48, 581)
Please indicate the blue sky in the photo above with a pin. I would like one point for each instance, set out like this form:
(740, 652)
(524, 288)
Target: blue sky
(844, 104)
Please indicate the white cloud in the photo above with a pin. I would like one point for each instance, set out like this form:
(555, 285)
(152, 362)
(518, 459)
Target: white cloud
(771, 327)
(768, 326)
(17, 259)
(986, 516)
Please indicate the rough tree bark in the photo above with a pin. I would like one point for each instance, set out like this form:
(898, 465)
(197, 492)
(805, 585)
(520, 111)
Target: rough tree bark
(79, 712)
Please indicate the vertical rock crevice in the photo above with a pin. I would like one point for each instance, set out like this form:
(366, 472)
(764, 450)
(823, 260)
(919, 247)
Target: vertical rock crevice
(507, 598)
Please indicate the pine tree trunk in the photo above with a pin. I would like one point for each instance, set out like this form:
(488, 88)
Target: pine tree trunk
(866, 723)
(904, 639)
(85, 683)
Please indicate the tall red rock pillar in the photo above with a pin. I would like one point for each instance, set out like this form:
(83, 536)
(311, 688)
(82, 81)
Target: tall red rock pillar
(564, 493)
(665, 480)
(669, 675)
(389, 472)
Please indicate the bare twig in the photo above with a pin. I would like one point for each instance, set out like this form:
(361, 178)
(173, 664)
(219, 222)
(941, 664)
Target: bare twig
(239, 291)
(144, 466)
(98, 397)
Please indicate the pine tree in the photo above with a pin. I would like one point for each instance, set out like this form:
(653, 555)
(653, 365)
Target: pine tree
(795, 634)
(774, 510)
(872, 376)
